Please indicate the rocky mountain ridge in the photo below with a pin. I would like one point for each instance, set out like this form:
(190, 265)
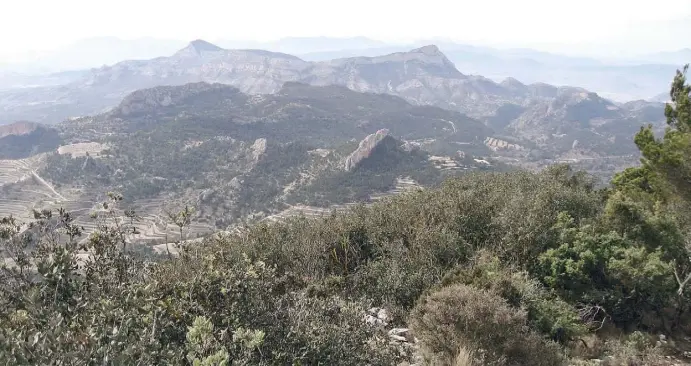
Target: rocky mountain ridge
(422, 76)
(554, 120)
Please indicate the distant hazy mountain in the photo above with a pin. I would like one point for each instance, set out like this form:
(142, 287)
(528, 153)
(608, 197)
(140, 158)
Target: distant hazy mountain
(619, 81)
(551, 118)
(622, 80)
(661, 98)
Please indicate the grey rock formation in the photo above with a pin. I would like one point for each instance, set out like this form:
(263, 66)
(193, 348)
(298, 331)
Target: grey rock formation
(258, 148)
(365, 148)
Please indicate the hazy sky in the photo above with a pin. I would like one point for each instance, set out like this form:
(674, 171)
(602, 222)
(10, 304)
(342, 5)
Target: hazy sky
(557, 25)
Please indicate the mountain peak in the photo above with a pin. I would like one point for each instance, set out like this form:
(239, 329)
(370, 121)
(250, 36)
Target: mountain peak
(198, 47)
(428, 50)
(201, 45)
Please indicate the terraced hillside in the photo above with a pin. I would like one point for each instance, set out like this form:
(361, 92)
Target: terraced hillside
(403, 184)
(22, 191)
(13, 171)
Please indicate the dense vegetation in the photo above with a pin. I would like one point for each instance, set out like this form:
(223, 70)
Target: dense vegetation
(510, 268)
(234, 155)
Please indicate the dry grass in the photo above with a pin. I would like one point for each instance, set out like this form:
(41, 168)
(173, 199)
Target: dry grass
(464, 357)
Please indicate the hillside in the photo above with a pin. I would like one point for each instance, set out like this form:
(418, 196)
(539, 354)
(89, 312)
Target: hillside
(237, 157)
(469, 271)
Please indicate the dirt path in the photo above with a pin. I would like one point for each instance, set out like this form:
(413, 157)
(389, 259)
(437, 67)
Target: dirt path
(47, 185)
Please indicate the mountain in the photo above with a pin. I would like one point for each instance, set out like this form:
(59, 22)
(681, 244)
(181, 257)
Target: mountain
(297, 112)
(237, 156)
(23, 139)
(621, 80)
(423, 75)
(543, 117)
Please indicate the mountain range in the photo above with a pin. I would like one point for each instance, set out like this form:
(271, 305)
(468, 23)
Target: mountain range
(554, 119)
(640, 77)
(253, 134)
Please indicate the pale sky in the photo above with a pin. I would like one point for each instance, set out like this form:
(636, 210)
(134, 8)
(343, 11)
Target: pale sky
(557, 25)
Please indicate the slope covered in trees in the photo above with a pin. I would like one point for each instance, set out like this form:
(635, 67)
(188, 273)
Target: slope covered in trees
(513, 268)
(233, 155)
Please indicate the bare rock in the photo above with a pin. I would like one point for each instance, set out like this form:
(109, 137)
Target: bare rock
(377, 316)
(365, 148)
(258, 148)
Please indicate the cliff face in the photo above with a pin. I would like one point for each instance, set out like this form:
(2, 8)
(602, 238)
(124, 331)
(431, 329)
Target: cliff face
(364, 150)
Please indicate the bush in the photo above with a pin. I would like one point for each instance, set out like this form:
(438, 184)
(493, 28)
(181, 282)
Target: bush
(547, 313)
(463, 316)
(203, 307)
(609, 270)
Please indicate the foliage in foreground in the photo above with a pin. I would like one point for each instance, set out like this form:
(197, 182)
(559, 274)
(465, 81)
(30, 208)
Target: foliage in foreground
(296, 293)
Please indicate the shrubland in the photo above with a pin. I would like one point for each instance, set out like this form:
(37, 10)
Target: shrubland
(514, 268)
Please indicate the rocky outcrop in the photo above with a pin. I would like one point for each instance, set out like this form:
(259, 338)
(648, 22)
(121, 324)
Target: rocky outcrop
(18, 128)
(377, 316)
(258, 148)
(367, 145)
(401, 338)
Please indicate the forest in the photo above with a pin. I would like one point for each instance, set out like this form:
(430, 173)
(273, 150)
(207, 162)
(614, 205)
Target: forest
(511, 268)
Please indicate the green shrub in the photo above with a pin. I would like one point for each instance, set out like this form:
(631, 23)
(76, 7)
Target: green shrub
(463, 316)
(606, 269)
(547, 313)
